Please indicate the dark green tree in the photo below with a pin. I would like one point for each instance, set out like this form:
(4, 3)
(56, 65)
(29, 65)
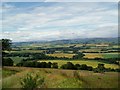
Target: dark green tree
(54, 65)
(6, 44)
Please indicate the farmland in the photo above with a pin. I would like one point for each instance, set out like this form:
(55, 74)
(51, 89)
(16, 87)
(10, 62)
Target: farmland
(61, 55)
(63, 65)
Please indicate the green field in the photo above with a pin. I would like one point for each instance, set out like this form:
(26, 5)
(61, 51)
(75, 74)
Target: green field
(55, 78)
(17, 59)
(87, 62)
(101, 55)
(110, 55)
(27, 51)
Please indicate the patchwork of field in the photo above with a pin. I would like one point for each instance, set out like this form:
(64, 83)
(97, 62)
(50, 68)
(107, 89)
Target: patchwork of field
(87, 62)
(56, 78)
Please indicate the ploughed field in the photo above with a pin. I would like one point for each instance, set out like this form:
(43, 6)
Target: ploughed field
(58, 78)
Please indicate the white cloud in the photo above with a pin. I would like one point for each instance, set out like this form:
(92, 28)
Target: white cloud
(59, 21)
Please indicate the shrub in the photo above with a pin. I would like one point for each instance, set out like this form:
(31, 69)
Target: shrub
(77, 66)
(69, 65)
(7, 62)
(83, 67)
(29, 82)
(55, 65)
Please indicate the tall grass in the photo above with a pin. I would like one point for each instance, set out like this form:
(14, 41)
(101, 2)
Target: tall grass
(31, 82)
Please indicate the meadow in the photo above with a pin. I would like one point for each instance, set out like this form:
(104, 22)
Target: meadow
(57, 78)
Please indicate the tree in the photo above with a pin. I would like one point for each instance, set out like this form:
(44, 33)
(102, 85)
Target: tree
(6, 44)
(84, 67)
(55, 65)
(7, 62)
(78, 56)
(100, 68)
(69, 65)
(77, 66)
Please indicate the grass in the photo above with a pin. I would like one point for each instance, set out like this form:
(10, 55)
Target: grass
(101, 55)
(110, 55)
(55, 78)
(27, 51)
(87, 62)
(93, 55)
(17, 59)
(7, 72)
(61, 55)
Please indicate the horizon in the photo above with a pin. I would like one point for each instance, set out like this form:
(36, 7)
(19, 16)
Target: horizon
(50, 21)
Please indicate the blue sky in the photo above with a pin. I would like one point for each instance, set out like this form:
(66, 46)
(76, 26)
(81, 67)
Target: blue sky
(28, 21)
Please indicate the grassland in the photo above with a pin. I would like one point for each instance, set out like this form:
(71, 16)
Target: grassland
(61, 55)
(93, 55)
(55, 78)
(110, 55)
(27, 51)
(101, 55)
(87, 62)
(17, 59)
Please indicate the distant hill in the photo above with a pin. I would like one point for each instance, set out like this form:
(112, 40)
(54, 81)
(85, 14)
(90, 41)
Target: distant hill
(87, 41)
(73, 41)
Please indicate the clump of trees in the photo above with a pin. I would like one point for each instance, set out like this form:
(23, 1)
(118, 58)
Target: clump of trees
(6, 46)
(99, 69)
(70, 65)
(78, 56)
(37, 64)
(7, 62)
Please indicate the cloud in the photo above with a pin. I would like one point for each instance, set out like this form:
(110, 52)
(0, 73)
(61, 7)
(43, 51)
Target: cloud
(52, 21)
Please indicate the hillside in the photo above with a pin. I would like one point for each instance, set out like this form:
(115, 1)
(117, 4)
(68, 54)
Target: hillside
(71, 41)
(57, 78)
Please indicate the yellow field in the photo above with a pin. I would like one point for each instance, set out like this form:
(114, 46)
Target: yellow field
(100, 55)
(61, 55)
(93, 55)
(87, 62)
(90, 50)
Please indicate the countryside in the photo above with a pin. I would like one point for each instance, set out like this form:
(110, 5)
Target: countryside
(59, 45)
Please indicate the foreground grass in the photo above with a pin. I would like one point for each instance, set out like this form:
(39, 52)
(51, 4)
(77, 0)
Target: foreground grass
(55, 78)
(87, 62)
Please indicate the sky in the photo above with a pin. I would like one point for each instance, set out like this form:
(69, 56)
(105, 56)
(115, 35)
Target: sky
(33, 21)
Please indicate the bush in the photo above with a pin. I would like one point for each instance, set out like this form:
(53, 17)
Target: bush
(77, 66)
(84, 67)
(100, 68)
(78, 56)
(29, 82)
(54, 65)
(69, 65)
(7, 62)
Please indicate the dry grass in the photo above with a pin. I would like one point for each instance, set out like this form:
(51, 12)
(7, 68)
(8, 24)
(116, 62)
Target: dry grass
(61, 55)
(64, 78)
(93, 55)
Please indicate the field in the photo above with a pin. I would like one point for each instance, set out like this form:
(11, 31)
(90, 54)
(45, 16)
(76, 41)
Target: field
(69, 76)
(17, 59)
(61, 55)
(101, 55)
(55, 78)
(89, 63)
